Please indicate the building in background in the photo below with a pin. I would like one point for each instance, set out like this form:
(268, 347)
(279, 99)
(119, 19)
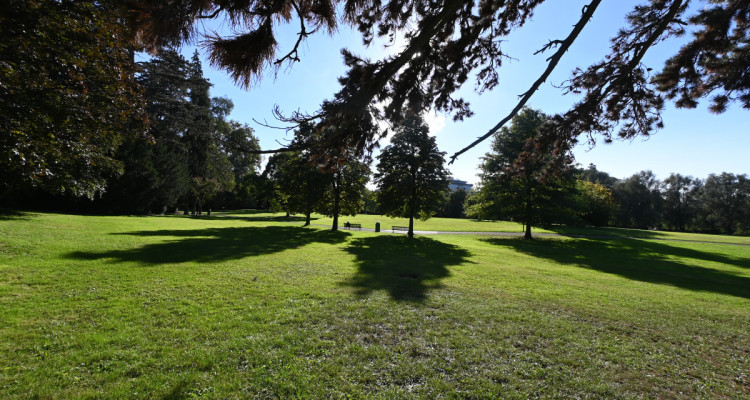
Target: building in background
(455, 184)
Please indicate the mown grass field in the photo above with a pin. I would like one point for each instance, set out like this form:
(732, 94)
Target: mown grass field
(250, 306)
(469, 225)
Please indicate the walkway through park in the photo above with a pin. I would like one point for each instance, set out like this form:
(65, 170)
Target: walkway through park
(520, 234)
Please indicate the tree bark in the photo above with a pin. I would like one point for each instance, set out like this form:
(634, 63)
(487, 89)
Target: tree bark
(307, 219)
(411, 226)
(336, 205)
(527, 235)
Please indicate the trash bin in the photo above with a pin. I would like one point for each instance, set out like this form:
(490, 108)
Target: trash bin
(377, 226)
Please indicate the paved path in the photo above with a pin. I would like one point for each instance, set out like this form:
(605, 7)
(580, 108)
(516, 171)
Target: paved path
(520, 234)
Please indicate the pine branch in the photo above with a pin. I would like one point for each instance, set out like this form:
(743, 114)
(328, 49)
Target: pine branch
(588, 12)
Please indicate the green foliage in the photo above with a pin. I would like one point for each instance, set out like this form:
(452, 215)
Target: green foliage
(343, 195)
(725, 200)
(304, 186)
(370, 202)
(523, 182)
(453, 204)
(639, 201)
(593, 202)
(186, 158)
(680, 201)
(157, 173)
(411, 175)
(254, 191)
(238, 144)
(68, 97)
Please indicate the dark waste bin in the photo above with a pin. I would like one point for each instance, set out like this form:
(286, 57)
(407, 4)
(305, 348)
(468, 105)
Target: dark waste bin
(377, 226)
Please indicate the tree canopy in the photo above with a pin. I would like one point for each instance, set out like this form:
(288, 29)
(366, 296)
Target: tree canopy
(411, 175)
(68, 96)
(448, 42)
(518, 180)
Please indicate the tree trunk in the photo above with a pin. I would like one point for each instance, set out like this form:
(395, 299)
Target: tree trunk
(336, 204)
(307, 219)
(527, 235)
(527, 220)
(411, 227)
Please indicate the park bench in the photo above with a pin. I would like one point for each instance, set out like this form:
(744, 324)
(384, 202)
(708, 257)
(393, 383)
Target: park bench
(400, 228)
(349, 225)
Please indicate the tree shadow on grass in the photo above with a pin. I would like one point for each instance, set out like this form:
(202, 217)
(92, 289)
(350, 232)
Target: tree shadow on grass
(11, 215)
(265, 218)
(406, 268)
(214, 244)
(640, 260)
(607, 232)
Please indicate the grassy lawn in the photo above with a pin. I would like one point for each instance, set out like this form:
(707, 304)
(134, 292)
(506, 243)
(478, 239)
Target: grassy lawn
(368, 221)
(470, 225)
(249, 305)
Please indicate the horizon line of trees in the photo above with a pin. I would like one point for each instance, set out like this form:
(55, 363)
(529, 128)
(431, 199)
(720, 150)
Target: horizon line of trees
(524, 181)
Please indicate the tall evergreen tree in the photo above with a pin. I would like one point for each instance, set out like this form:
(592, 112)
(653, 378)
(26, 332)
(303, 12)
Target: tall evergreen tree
(156, 166)
(411, 175)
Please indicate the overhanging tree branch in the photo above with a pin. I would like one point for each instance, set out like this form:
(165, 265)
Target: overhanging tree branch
(588, 12)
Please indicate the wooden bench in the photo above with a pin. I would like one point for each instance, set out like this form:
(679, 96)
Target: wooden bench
(349, 225)
(399, 228)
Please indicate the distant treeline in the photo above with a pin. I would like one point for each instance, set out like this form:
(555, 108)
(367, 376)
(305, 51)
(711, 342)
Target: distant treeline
(718, 204)
(193, 159)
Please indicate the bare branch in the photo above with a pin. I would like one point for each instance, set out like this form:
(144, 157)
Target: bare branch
(293, 55)
(549, 45)
(588, 12)
(267, 125)
(212, 15)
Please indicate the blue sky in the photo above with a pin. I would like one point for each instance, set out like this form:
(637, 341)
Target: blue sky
(693, 142)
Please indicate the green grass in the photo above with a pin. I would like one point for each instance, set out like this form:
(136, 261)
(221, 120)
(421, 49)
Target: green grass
(250, 306)
(368, 221)
(470, 225)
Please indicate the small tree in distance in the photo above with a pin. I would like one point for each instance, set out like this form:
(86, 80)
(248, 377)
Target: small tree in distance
(411, 175)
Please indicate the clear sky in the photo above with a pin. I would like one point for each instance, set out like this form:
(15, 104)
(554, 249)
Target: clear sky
(693, 142)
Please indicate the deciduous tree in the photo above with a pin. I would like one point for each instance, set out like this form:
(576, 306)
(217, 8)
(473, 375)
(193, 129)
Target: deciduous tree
(68, 96)
(638, 201)
(725, 201)
(520, 180)
(680, 200)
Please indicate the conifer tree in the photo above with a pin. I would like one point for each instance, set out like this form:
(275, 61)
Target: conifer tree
(411, 177)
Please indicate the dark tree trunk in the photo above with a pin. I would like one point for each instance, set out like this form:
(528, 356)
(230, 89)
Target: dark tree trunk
(307, 219)
(527, 235)
(411, 227)
(527, 219)
(336, 204)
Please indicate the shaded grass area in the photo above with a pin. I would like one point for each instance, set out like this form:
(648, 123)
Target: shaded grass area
(181, 308)
(405, 268)
(652, 262)
(646, 234)
(210, 245)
